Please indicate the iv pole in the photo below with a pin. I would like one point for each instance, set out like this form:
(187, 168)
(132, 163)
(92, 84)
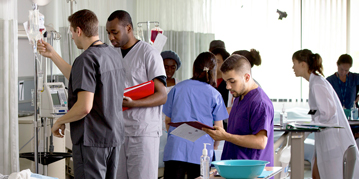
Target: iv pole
(36, 106)
(301, 43)
(69, 35)
(34, 21)
(34, 7)
(148, 28)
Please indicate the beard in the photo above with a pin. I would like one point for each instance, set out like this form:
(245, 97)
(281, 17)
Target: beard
(121, 42)
(240, 92)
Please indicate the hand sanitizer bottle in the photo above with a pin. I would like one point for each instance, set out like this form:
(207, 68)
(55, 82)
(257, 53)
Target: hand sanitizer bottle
(354, 112)
(205, 160)
(283, 118)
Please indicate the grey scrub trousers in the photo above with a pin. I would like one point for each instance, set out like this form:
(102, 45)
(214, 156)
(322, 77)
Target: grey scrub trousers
(137, 156)
(95, 162)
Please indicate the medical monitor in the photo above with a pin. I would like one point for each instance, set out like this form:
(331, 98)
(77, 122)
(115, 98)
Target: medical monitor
(53, 100)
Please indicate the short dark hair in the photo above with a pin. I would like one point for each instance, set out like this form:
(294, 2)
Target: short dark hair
(253, 56)
(222, 52)
(314, 61)
(205, 68)
(123, 16)
(216, 44)
(86, 20)
(236, 62)
(345, 58)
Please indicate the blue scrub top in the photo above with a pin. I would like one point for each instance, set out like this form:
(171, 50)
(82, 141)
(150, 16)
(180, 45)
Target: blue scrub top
(345, 91)
(192, 100)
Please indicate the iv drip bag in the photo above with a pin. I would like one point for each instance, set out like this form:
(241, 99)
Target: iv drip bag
(154, 33)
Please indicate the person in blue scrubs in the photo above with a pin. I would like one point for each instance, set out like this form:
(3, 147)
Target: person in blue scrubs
(345, 82)
(345, 85)
(195, 99)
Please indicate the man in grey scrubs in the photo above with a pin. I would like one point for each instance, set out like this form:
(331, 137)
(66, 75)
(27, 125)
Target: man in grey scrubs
(95, 95)
(143, 121)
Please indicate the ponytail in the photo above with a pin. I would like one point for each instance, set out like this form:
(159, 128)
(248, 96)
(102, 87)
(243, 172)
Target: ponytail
(315, 64)
(314, 61)
(252, 56)
(204, 68)
(257, 60)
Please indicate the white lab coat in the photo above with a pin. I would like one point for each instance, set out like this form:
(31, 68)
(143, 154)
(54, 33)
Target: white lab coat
(330, 144)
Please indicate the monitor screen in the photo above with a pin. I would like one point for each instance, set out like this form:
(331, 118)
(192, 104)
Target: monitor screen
(55, 99)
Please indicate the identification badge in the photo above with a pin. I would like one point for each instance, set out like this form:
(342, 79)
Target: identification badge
(312, 112)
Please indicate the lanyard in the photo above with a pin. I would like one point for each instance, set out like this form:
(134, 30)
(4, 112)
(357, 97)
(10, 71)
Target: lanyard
(341, 84)
(94, 43)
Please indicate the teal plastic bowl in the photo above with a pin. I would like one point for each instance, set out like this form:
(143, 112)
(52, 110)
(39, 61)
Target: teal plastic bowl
(240, 169)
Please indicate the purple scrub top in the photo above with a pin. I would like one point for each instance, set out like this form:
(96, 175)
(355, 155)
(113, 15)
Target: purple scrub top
(249, 116)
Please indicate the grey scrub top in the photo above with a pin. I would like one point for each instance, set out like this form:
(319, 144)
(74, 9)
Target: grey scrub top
(98, 70)
(143, 63)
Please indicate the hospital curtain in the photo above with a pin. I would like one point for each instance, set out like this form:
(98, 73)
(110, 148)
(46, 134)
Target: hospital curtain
(187, 25)
(57, 12)
(353, 45)
(9, 149)
(325, 32)
(188, 45)
(243, 25)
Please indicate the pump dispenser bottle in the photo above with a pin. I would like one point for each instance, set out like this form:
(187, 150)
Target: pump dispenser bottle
(283, 118)
(354, 112)
(205, 162)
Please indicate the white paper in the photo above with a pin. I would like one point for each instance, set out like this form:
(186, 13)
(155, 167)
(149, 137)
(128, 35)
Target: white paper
(188, 132)
(160, 42)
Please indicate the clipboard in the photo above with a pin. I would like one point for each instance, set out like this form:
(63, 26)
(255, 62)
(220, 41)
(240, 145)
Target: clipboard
(195, 124)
